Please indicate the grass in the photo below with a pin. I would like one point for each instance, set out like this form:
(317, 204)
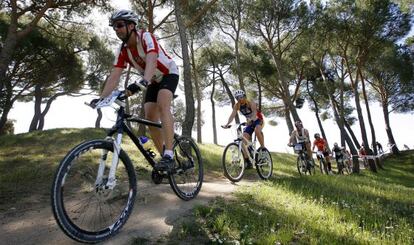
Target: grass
(28, 162)
(358, 209)
(366, 208)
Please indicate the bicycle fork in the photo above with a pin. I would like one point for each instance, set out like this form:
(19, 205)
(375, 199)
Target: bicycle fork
(111, 183)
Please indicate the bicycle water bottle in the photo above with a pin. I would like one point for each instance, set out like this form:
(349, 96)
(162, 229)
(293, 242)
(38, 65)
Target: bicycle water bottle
(144, 141)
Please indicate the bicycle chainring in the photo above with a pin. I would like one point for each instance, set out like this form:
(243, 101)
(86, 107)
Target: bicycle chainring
(156, 177)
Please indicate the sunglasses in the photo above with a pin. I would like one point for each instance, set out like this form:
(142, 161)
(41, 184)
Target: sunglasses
(239, 97)
(118, 26)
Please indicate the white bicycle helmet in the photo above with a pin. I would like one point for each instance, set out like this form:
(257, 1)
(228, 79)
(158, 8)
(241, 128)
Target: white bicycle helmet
(239, 93)
(126, 15)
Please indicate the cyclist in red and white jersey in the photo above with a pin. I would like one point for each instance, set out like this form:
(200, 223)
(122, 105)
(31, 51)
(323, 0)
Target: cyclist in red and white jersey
(141, 50)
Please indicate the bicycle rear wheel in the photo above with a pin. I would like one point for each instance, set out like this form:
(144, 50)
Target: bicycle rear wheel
(84, 208)
(187, 177)
(233, 164)
(264, 163)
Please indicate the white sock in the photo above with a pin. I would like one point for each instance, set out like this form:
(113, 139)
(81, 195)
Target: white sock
(169, 153)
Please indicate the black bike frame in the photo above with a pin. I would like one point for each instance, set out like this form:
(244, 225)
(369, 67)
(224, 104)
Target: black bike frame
(120, 127)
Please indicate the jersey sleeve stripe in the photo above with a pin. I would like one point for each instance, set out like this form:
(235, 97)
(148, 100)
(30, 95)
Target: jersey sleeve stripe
(150, 43)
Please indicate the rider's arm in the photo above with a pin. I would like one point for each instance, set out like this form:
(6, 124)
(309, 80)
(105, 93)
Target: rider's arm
(253, 106)
(150, 65)
(112, 81)
(292, 137)
(307, 134)
(313, 145)
(232, 115)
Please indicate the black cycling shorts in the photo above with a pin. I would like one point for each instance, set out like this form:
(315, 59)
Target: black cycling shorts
(169, 82)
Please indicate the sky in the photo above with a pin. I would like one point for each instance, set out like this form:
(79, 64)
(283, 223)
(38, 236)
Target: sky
(68, 112)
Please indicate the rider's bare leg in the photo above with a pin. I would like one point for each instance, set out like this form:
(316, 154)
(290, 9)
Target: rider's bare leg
(259, 135)
(164, 99)
(152, 114)
(246, 138)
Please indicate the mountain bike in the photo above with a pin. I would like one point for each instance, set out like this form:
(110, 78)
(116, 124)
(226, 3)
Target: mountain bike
(94, 187)
(322, 162)
(233, 159)
(344, 165)
(303, 165)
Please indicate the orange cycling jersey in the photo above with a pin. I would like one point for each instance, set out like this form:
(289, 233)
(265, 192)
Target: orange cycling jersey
(320, 144)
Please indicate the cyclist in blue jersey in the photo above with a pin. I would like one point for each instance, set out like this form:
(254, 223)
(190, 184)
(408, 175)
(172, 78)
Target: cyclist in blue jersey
(254, 118)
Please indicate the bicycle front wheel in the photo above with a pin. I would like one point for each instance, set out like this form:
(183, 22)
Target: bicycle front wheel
(85, 208)
(301, 166)
(323, 166)
(187, 177)
(233, 164)
(311, 167)
(264, 164)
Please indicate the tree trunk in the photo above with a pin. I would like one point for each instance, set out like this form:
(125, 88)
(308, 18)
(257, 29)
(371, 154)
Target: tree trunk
(345, 135)
(368, 150)
(230, 94)
(371, 125)
(46, 110)
(342, 105)
(198, 95)
(352, 134)
(238, 66)
(388, 129)
(289, 102)
(8, 102)
(6, 109)
(37, 108)
(318, 119)
(213, 110)
(342, 130)
(259, 88)
(6, 54)
(288, 119)
(188, 89)
(3, 118)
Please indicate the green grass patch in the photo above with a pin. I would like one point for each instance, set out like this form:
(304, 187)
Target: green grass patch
(366, 208)
(28, 162)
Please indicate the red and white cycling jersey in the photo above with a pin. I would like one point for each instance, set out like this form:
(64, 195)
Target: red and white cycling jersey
(165, 64)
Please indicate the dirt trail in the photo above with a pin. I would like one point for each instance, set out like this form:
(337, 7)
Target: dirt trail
(155, 212)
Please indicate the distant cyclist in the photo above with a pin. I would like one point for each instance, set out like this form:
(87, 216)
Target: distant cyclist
(379, 148)
(322, 146)
(363, 154)
(301, 135)
(254, 119)
(339, 152)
